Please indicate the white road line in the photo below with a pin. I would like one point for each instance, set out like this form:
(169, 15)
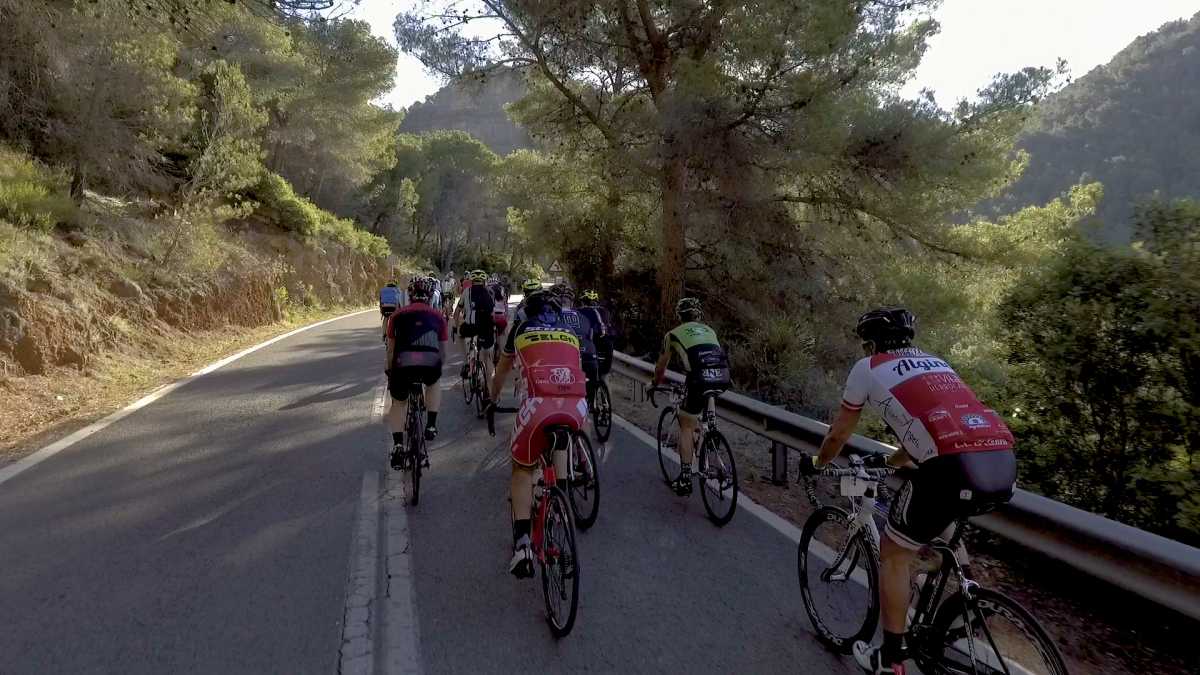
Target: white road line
(22, 465)
(744, 501)
(356, 652)
(400, 633)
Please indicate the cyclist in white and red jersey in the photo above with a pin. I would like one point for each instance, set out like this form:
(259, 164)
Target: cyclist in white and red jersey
(962, 449)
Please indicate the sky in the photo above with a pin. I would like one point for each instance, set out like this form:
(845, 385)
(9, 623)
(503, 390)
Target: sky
(979, 38)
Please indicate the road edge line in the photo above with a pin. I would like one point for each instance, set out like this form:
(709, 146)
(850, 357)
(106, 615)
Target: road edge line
(767, 516)
(400, 633)
(27, 462)
(356, 651)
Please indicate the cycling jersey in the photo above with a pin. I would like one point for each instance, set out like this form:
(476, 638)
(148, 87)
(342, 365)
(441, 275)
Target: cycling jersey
(700, 353)
(554, 390)
(389, 296)
(926, 404)
(584, 330)
(479, 305)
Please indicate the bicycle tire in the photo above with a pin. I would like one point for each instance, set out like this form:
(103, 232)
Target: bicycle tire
(477, 382)
(602, 413)
(581, 486)
(468, 390)
(941, 653)
(416, 439)
(558, 536)
(719, 484)
(668, 428)
(860, 549)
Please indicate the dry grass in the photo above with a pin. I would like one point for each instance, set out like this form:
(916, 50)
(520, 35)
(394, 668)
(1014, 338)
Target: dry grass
(38, 409)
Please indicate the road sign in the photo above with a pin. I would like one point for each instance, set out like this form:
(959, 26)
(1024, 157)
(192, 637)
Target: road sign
(556, 268)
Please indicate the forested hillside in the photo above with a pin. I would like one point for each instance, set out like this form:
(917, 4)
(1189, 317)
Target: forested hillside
(476, 108)
(1132, 124)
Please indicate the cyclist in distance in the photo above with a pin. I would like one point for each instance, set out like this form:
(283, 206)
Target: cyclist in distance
(389, 300)
(435, 291)
(591, 309)
(416, 348)
(962, 450)
(699, 352)
(553, 394)
(474, 318)
(585, 331)
(499, 309)
(528, 288)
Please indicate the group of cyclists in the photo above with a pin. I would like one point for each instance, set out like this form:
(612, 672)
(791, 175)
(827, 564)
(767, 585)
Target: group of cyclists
(961, 450)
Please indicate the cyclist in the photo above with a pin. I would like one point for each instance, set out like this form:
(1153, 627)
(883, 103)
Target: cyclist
(435, 291)
(474, 318)
(499, 309)
(389, 300)
(553, 394)
(416, 347)
(707, 369)
(598, 316)
(962, 450)
(586, 332)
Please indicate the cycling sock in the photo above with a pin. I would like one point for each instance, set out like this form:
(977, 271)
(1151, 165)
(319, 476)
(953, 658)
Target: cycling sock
(893, 648)
(521, 528)
(397, 438)
(432, 418)
(685, 470)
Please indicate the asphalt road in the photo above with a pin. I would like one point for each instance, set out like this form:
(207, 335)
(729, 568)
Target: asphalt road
(212, 530)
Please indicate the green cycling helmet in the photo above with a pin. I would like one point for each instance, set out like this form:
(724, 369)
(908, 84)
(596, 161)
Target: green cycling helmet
(531, 286)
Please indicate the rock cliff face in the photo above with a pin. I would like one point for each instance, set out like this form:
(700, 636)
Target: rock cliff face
(475, 109)
(84, 301)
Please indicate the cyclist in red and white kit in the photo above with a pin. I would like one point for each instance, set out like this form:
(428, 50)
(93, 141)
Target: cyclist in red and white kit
(962, 449)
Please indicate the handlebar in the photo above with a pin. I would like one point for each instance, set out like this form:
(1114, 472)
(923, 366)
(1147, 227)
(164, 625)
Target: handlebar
(491, 416)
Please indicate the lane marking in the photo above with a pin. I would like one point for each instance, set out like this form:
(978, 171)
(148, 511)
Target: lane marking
(759, 511)
(356, 654)
(400, 634)
(24, 464)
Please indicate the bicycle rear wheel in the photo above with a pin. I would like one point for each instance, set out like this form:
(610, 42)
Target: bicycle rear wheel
(468, 388)
(988, 634)
(416, 447)
(839, 579)
(478, 384)
(602, 413)
(584, 486)
(559, 565)
(718, 478)
(668, 439)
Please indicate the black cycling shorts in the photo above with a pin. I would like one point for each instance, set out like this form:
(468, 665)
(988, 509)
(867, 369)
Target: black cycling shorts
(694, 400)
(386, 310)
(487, 336)
(401, 379)
(947, 488)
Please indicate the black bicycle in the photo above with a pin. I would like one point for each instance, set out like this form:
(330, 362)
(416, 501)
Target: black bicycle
(414, 458)
(974, 631)
(474, 382)
(714, 463)
(602, 411)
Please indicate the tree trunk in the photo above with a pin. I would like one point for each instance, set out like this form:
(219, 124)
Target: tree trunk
(670, 270)
(78, 181)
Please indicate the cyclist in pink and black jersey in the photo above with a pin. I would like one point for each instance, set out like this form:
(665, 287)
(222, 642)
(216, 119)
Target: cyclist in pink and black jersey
(962, 449)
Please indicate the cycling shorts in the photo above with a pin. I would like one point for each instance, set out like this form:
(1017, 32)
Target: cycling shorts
(501, 322)
(400, 380)
(947, 488)
(386, 310)
(485, 332)
(694, 399)
(529, 441)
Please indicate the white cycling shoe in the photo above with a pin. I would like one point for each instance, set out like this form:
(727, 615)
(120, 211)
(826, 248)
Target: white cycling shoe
(870, 659)
(521, 565)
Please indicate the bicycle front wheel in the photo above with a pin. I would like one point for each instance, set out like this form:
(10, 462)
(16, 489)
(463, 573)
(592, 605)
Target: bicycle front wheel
(559, 565)
(668, 439)
(602, 413)
(839, 579)
(584, 486)
(718, 478)
(988, 634)
(415, 460)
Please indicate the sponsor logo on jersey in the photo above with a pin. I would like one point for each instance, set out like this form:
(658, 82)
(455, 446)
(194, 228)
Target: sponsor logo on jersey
(938, 415)
(903, 366)
(534, 337)
(561, 376)
(975, 421)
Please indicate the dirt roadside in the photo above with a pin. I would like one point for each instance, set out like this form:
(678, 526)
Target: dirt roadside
(39, 409)
(1099, 628)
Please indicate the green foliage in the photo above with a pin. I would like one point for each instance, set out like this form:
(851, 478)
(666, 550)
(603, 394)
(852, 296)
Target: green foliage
(280, 205)
(31, 195)
(229, 158)
(1105, 345)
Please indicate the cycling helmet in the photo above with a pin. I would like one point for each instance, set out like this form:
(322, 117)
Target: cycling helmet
(887, 327)
(688, 309)
(419, 290)
(391, 284)
(562, 291)
(590, 296)
(531, 286)
(479, 277)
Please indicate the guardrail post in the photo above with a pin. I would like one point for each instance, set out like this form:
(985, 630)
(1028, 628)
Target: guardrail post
(779, 463)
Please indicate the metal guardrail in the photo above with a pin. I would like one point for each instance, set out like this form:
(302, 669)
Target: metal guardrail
(1156, 568)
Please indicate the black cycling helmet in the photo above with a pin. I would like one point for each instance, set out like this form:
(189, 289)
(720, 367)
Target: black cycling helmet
(689, 309)
(562, 291)
(420, 290)
(541, 300)
(887, 327)
(391, 284)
